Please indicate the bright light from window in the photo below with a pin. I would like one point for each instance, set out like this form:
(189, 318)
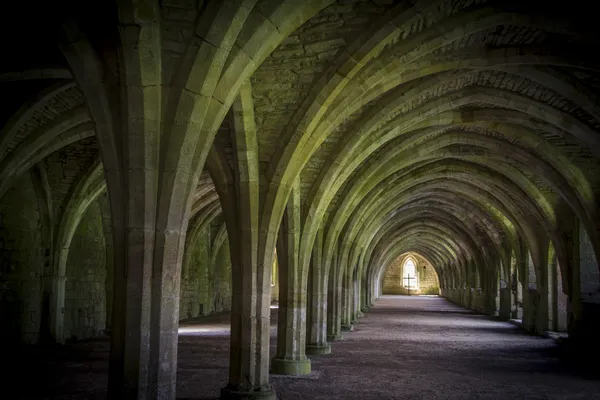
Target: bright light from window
(409, 275)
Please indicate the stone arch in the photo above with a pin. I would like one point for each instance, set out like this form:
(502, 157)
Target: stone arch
(436, 127)
(89, 187)
(428, 280)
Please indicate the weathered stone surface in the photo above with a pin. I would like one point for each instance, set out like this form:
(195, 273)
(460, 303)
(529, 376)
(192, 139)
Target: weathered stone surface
(151, 151)
(427, 280)
(23, 257)
(85, 298)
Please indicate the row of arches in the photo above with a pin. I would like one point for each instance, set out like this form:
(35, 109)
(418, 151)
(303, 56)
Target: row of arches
(331, 137)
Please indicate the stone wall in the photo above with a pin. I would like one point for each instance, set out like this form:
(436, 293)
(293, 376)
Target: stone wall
(26, 270)
(194, 280)
(474, 299)
(205, 288)
(428, 279)
(22, 260)
(222, 280)
(85, 288)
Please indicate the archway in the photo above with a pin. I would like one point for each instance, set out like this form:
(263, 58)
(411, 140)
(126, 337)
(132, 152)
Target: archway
(410, 274)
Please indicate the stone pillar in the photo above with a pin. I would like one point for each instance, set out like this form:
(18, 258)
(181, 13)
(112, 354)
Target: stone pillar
(588, 269)
(148, 204)
(110, 254)
(347, 302)
(552, 291)
(354, 300)
(364, 296)
(357, 300)
(291, 328)
(562, 301)
(152, 153)
(250, 330)
(370, 288)
(543, 299)
(505, 296)
(251, 247)
(376, 290)
(334, 303)
(584, 297)
(530, 295)
(369, 292)
(316, 335)
(57, 308)
(492, 295)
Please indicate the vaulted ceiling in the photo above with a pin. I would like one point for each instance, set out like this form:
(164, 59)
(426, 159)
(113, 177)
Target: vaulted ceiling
(448, 128)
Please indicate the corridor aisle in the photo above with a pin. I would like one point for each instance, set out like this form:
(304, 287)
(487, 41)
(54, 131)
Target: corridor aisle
(427, 348)
(404, 348)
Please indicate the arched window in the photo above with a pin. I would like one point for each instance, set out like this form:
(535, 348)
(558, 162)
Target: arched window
(409, 275)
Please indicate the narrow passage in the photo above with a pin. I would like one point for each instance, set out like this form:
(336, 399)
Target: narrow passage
(427, 348)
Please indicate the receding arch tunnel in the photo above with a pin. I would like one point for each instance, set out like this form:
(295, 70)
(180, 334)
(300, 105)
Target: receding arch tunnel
(410, 273)
(265, 161)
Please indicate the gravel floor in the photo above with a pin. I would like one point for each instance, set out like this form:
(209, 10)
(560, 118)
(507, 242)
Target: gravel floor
(404, 348)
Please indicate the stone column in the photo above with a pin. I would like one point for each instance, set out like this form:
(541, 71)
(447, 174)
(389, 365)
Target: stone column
(148, 126)
(358, 294)
(110, 254)
(347, 303)
(357, 313)
(316, 335)
(147, 204)
(562, 299)
(584, 296)
(364, 296)
(57, 308)
(541, 314)
(530, 300)
(250, 330)
(505, 295)
(373, 285)
(370, 290)
(251, 251)
(334, 303)
(588, 269)
(291, 328)
(552, 291)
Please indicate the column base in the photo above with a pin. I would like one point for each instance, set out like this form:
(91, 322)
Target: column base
(280, 366)
(347, 328)
(365, 309)
(334, 337)
(319, 349)
(360, 315)
(258, 393)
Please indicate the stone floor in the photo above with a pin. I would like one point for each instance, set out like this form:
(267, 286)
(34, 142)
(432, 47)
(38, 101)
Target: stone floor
(404, 348)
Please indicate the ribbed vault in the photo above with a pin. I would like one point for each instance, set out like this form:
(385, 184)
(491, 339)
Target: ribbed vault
(342, 133)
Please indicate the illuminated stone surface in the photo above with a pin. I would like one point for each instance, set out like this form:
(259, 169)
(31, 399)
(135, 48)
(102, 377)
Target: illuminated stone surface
(160, 161)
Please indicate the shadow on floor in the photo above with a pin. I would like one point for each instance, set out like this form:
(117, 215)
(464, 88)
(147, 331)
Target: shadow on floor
(402, 349)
